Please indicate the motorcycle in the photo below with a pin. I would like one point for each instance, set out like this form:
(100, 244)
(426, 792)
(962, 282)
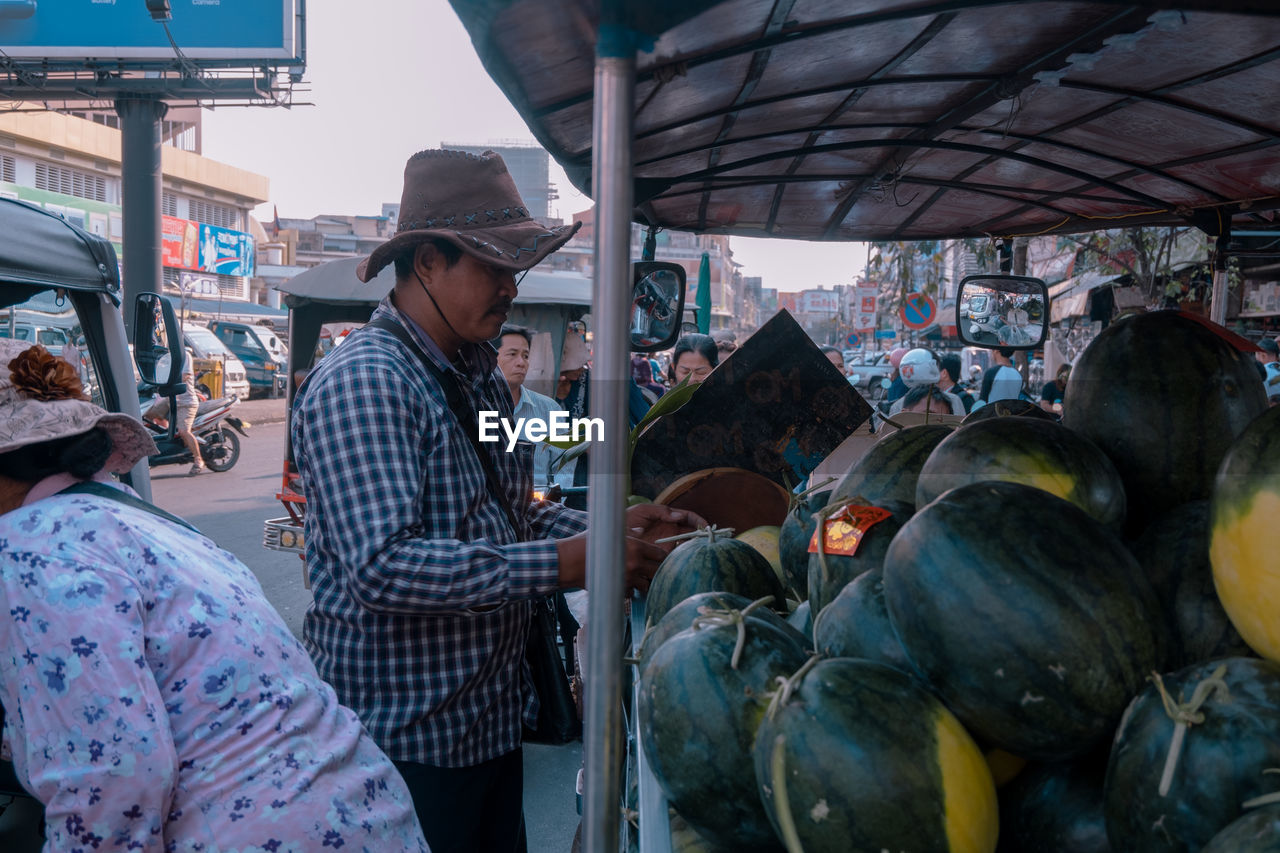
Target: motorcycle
(215, 431)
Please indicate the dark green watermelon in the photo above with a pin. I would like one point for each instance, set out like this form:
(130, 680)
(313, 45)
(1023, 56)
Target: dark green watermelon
(682, 616)
(856, 625)
(1221, 765)
(829, 573)
(1164, 397)
(1008, 408)
(711, 563)
(887, 472)
(1056, 807)
(1030, 619)
(1174, 553)
(698, 717)
(862, 759)
(1256, 831)
(1039, 453)
(793, 540)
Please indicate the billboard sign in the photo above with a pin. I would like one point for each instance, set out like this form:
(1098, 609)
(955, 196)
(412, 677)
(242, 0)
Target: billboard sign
(179, 243)
(225, 251)
(236, 31)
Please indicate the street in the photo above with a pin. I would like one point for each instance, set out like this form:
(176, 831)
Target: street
(230, 508)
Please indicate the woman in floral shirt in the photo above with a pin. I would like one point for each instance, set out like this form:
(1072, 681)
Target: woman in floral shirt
(154, 699)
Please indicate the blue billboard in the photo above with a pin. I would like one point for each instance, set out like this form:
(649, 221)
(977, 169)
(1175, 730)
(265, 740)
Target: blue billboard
(104, 30)
(225, 251)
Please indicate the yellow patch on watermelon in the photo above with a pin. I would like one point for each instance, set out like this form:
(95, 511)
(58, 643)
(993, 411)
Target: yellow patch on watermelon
(1243, 549)
(1054, 482)
(765, 540)
(969, 795)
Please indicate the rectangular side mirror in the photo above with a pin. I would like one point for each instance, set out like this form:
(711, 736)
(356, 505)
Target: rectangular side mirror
(1002, 311)
(157, 341)
(657, 304)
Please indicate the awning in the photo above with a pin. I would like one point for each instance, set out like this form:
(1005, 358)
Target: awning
(1070, 298)
(229, 308)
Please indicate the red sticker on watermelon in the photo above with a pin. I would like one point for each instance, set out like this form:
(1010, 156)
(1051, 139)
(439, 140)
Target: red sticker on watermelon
(844, 529)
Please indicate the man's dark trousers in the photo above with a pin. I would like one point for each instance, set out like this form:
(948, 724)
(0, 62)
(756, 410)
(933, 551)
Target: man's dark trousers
(476, 809)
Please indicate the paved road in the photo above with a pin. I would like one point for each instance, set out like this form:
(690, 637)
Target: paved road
(230, 508)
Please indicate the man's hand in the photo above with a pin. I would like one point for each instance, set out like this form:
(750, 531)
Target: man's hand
(652, 522)
(641, 561)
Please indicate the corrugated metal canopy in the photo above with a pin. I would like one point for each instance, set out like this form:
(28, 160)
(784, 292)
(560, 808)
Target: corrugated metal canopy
(910, 120)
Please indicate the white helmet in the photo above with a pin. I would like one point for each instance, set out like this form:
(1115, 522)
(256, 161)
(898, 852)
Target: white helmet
(918, 367)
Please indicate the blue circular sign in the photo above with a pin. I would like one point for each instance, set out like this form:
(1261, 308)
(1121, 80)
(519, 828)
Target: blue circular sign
(854, 340)
(918, 311)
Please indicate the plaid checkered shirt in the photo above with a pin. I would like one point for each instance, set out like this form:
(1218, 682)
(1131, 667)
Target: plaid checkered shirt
(403, 540)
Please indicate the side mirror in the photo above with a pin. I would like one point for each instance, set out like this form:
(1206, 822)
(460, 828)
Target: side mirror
(657, 304)
(157, 343)
(1002, 311)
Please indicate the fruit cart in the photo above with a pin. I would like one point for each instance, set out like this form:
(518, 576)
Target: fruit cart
(892, 121)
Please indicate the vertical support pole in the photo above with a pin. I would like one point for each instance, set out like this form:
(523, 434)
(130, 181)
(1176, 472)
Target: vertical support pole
(1218, 302)
(140, 178)
(604, 735)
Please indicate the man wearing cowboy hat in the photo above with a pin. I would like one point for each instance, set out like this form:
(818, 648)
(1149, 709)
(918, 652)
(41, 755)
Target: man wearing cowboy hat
(425, 549)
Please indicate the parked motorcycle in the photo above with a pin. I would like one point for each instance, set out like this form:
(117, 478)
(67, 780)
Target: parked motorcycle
(215, 430)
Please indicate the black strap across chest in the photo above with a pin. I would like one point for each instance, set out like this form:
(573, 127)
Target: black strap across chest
(461, 410)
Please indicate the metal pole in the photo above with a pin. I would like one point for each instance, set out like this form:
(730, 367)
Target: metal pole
(1218, 302)
(604, 736)
(140, 178)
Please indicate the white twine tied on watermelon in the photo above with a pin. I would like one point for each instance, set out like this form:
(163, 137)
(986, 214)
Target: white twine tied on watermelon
(1185, 716)
(729, 619)
(778, 758)
(710, 532)
(1265, 799)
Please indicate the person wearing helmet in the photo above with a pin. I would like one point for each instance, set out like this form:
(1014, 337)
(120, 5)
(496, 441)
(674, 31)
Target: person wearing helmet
(919, 368)
(896, 386)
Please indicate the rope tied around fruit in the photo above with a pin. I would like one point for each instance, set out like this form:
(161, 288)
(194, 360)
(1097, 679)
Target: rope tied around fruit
(710, 532)
(1186, 715)
(786, 686)
(782, 800)
(796, 498)
(730, 619)
(1265, 799)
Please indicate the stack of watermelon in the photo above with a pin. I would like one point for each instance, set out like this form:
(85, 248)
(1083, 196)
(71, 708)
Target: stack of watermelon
(1087, 610)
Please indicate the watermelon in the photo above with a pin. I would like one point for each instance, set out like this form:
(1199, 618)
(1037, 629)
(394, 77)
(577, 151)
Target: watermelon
(793, 539)
(1036, 642)
(1174, 553)
(1220, 765)
(698, 716)
(1008, 408)
(802, 620)
(1056, 807)
(856, 757)
(709, 563)
(829, 573)
(1039, 453)
(765, 540)
(682, 616)
(1164, 396)
(1244, 538)
(887, 472)
(856, 625)
(1257, 831)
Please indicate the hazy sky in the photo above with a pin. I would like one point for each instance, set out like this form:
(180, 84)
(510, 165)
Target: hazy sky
(399, 76)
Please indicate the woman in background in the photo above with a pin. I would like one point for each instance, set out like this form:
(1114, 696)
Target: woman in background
(693, 358)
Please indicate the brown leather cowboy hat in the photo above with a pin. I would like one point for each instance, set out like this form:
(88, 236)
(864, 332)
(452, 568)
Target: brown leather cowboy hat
(472, 202)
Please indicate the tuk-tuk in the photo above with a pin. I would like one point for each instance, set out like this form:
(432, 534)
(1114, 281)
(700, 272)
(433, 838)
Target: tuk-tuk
(892, 121)
(328, 301)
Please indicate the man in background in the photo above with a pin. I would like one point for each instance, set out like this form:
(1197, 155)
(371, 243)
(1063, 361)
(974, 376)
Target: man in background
(1002, 381)
(513, 361)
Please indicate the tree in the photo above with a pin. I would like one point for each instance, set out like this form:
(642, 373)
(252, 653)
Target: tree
(1147, 255)
(906, 267)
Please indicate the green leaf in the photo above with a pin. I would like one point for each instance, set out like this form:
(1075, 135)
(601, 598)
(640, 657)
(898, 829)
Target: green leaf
(669, 402)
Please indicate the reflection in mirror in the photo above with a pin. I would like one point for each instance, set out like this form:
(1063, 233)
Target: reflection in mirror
(1002, 311)
(656, 305)
(156, 349)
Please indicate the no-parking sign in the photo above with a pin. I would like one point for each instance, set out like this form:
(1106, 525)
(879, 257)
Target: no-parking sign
(918, 311)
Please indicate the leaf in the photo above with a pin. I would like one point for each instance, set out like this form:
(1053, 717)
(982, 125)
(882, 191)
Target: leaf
(669, 402)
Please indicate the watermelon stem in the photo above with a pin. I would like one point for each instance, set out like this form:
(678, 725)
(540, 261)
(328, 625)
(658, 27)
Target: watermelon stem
(731, 618)
(797, 498)
(1185, 716)
(786, 686)
(782, 802)
(1265, 799)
